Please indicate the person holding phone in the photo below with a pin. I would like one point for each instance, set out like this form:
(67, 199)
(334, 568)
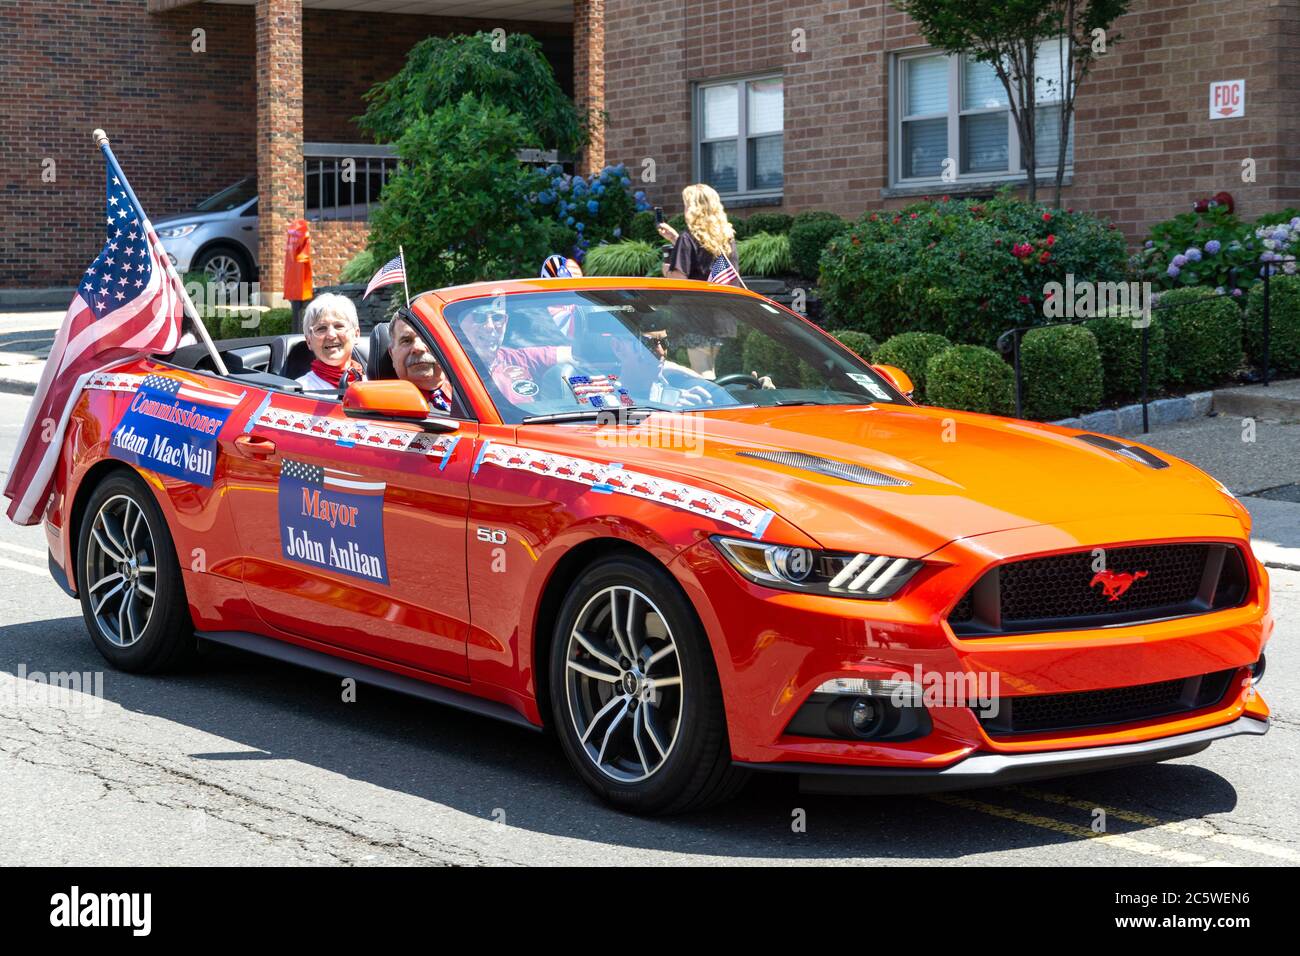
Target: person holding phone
(708, 242)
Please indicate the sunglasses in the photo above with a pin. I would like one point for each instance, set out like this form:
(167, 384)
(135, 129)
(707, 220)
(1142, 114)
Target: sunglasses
(483, 318)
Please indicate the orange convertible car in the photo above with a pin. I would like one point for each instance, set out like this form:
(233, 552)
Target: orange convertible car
(684, 529)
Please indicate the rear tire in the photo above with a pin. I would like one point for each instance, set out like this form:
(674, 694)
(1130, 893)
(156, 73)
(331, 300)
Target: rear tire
(635, 695)
(129, 581)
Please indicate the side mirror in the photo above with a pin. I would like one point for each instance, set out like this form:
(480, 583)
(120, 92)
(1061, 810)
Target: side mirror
(389, 398)
(896, 377)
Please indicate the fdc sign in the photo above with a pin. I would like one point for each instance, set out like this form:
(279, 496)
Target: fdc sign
(1227, 99)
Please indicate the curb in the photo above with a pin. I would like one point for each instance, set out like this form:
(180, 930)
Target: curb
(17, 387)
(50, 298)
(1127, 419)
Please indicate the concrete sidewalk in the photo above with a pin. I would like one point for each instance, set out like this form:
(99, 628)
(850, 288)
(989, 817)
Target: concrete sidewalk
(25, 340)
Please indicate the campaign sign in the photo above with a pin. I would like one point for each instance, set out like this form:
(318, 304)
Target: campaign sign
(171, 428)
(333, 520)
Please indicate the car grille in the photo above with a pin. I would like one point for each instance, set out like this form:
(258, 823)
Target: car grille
(1037, 713)
(1063, 592)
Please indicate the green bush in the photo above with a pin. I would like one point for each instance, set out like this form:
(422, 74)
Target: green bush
(1216, 250)
(741, 226)
(808, 240)
(767, 357)
(859, 342)
(589, 209)
(911, 351)
(1203, 334)
(270, 322)
(631, 258)
(1061, 368)
(360, 268)
(1120, 345)
(765, 255)
(440, 71)
(643, 228)
(971, 378)
(815, 215)
(776, 223)
(455, 205)
(1284, 324)
(678, 222)
(966, 269)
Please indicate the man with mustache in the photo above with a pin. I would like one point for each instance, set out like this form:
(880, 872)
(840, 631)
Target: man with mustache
(414, 363)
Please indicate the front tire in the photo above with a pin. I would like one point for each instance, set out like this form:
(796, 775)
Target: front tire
(129, 581)
(635, 694)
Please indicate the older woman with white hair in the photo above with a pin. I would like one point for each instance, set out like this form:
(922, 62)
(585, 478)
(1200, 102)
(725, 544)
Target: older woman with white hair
(331, 327)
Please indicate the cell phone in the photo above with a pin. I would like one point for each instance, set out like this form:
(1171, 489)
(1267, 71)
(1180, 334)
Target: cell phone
(659, 215)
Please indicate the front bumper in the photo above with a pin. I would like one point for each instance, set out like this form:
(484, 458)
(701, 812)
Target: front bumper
(1000, 770)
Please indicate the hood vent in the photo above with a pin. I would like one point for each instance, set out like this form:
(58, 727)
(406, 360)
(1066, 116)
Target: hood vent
(1128, 451)
(827, 466)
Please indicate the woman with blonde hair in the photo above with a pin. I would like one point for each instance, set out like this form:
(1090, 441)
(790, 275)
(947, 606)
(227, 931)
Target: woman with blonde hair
(707, 249)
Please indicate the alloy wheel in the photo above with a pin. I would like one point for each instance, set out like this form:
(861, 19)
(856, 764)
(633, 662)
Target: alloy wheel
(624, 684)
(121, 570)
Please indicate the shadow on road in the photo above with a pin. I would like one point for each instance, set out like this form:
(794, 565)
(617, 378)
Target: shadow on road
(475, 765)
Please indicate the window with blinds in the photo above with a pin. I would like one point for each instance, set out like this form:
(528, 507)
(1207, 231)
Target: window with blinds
(739, 136)
(951, 113)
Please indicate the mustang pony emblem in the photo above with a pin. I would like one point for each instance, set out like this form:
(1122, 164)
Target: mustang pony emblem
(1114, 585)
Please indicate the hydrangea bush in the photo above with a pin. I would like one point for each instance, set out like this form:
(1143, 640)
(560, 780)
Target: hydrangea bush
(595, 209)
(1216, 250)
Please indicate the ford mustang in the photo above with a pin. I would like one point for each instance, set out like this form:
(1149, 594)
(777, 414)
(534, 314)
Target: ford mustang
(683, 529)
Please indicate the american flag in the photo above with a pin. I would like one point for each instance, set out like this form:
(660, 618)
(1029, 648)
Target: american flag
(192, 393)
(129, 303)
(722, 272)
(392, 272)
(329, 478)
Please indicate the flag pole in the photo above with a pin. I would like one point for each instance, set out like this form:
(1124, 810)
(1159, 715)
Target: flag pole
(101, 140)
(402, 255)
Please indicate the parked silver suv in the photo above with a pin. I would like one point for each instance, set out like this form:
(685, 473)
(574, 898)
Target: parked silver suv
(218, 238)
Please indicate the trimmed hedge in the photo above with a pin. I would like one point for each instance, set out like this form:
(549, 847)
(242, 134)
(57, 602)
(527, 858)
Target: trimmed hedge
(859, 342)
(1203, 332)
(971, 378)
(808, 239)
(1284, 324)
(767, 357)
(270, 322)
(776, 223)
(642, 228)
(911, 351)
(1061, 366)
(1120, 345)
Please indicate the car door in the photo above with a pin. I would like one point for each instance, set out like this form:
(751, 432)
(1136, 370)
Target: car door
(353, 530)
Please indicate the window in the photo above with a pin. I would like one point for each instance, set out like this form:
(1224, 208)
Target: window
(953, 108)
(739, 136)
(335, 189)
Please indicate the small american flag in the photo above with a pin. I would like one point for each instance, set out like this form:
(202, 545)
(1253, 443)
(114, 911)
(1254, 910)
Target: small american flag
(129, 303)
(329, 478)
(722, 272)
(392, 272)
(193, 393)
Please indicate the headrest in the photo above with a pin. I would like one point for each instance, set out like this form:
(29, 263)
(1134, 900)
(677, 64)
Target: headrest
(379, 364)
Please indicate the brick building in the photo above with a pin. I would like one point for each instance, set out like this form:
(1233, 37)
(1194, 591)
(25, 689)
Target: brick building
(791, 105)
(864, 114)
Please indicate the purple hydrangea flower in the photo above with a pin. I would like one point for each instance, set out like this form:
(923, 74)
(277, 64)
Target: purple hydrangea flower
(1180, 260)
(1236, 292)
(1193, 254)
(1173, 271)
(1281, 234)
(1213, 247)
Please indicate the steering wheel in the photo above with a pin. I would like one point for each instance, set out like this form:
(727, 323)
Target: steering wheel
(553, 385)
(738, 378)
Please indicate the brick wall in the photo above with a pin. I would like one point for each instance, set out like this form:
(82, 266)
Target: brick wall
(589, 76)
(181, 123)
(333, 244)
(1145, 147)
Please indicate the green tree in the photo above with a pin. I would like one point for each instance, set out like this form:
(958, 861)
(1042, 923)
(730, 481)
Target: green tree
(1006, 34)
(458, 201)
(508, 70)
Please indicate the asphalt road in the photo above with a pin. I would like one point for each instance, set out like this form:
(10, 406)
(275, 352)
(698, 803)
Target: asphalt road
(244, 761)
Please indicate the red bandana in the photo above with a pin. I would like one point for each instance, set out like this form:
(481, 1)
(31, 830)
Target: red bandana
(334, 373)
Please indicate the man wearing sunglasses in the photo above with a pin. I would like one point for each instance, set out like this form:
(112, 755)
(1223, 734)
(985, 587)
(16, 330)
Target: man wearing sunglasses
(516, 372)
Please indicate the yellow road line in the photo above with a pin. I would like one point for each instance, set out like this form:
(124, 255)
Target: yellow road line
(1117, 841)
(1202, 830)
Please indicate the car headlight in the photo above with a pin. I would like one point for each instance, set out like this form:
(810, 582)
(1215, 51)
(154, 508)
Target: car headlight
(835, 573)
(177, 232)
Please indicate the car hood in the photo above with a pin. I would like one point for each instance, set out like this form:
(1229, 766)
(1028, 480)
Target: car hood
(964, 474)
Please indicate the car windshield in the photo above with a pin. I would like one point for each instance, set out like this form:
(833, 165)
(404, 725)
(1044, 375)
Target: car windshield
(232, 197)
(548, 353)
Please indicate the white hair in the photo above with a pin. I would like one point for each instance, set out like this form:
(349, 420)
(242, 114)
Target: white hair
(334, 304)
